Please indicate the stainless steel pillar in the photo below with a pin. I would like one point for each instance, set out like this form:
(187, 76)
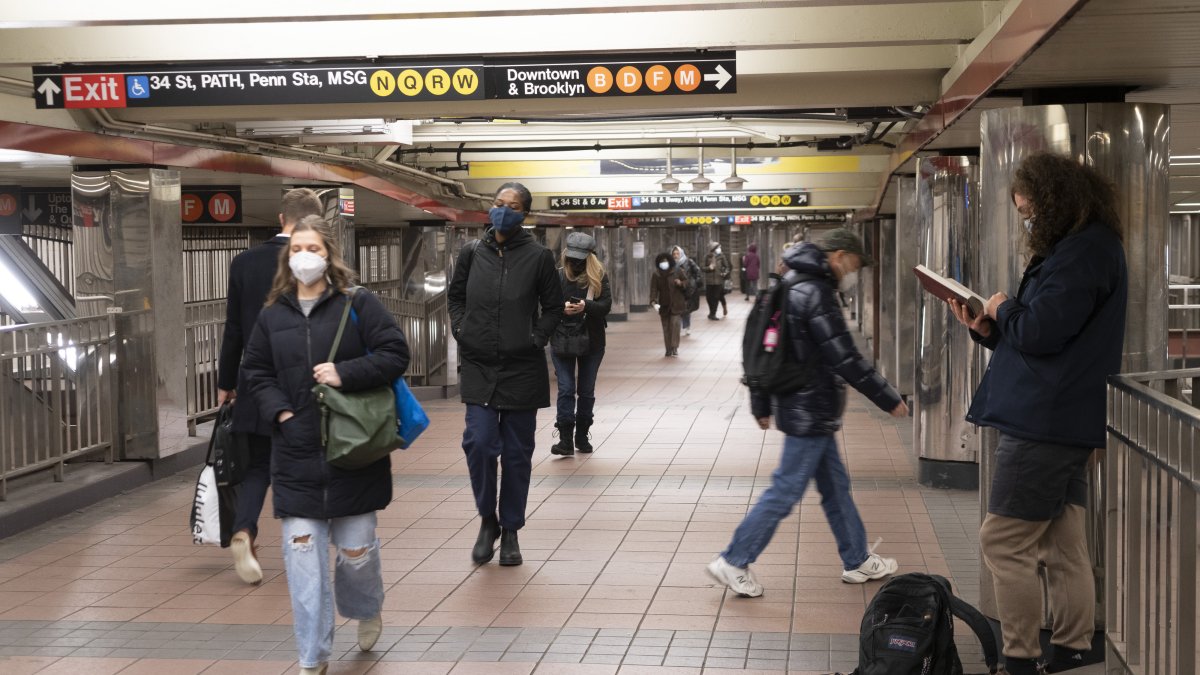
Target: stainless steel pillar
(888, 324)
(128, 248)
(339, 211)
(908, 293)
(1128, 143)
(946, 360)
(611, 249)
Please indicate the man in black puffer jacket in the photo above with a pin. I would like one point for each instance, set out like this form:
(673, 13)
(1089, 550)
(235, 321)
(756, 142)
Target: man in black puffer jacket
(504, 301)
(811, 416)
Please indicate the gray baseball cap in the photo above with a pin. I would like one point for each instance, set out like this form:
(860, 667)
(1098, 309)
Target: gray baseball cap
(842, 239)
(579, 245)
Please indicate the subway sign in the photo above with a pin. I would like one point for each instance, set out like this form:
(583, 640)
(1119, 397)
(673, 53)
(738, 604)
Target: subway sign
(683, 201)
(384, 80)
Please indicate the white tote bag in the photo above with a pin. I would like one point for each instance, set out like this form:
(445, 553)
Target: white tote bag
(206, 509)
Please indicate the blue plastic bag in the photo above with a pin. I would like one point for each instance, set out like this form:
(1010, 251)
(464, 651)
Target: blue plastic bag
(411, 419)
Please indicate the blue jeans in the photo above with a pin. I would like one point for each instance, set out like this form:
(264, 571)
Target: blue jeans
(804, 457)
(685, 320)
(495, 439)
(357, 584)
(569, 385)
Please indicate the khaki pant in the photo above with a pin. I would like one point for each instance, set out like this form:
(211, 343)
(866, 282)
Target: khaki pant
(670, 324)
(1011, 549)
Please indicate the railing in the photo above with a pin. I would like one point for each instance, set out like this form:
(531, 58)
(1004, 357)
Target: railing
(1152, 521)
(424, 323)
(1183, 320)
(203, 325)
(57, 395)
(52, 245)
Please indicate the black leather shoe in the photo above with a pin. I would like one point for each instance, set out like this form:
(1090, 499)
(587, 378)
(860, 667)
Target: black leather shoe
(510, 550)
(485, 545)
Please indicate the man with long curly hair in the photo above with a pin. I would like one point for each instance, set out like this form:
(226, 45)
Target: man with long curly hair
(1054, 345)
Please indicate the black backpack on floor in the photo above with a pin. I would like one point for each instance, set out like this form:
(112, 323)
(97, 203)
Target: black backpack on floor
(909, 628)
(773, 369)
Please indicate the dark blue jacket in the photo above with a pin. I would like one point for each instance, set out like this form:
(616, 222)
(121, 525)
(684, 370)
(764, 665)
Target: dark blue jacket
(278, 369)
(1056, 343)
(250, 276)
(819, 335)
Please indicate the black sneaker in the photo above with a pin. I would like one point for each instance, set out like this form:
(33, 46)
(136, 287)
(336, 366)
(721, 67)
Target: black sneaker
(1066, 658)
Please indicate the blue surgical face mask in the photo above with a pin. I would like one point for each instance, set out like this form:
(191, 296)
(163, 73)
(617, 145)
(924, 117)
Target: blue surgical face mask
(505, 220)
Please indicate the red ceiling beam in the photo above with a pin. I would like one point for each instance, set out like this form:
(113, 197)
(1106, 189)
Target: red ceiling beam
(70, 143)
(1030, 24)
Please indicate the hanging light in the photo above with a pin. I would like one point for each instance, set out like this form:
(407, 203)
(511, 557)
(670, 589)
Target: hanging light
(734, 181)
(669, 183)
(700, 183)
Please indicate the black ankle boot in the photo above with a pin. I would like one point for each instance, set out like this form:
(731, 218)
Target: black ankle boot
(485, 545)
(582, 426)
(564, 446)
(1016, 666)
(510, 550)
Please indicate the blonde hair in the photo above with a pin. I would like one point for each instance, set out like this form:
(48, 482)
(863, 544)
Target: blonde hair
(593, 275)
(340, 277)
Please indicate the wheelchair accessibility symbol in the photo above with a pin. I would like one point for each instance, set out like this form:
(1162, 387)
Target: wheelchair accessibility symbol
(138, 86)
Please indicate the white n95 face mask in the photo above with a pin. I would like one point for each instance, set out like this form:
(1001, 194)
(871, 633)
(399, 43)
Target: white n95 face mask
(848, 282)
(307, 267)
(664, 265)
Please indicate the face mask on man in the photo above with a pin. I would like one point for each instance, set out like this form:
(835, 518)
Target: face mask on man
(718, 251)
(664, 265)
(307, 267)
(1029, 225)
(848, 282)
(505, 219)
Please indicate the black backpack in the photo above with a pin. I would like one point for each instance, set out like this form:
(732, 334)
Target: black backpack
(775, 371)
(909, 628)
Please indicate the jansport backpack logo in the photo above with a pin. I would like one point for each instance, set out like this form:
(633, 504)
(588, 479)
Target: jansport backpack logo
(908, 629)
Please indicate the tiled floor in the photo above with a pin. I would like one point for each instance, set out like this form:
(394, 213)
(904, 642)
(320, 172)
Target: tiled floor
(615, 548)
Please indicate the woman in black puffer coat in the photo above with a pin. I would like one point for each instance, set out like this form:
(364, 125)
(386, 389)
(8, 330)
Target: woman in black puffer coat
(319, 503)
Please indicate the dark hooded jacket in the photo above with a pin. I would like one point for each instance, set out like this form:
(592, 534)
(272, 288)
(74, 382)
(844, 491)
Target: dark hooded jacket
(1056, 343)
(278, 369)
(595, 310)
(504, 301)
(819, 336)
(672, 298)
(695, 277)
(750, 262)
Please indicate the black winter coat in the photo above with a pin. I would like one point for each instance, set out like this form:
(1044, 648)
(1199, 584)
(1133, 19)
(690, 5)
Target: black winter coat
(278, 367)
(1056, 343)
(504, 301)
(594, 310)
(250, 276)
(819, 335)
(696, 279)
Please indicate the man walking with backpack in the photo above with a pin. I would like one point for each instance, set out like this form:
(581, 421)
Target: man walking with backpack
(812, 330)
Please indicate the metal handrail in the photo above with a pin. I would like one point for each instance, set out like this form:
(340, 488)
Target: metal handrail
(1151, 491)
(1181, 316)
(57, 395)
(203, 326)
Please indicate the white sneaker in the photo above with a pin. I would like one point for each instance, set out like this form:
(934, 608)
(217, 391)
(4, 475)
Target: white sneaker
(315, 670)
(687, 332)
(368, 632)
(874, 567)
(740, 580)
(244, 561)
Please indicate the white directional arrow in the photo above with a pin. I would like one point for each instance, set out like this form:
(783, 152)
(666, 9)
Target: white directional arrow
(31, 214)
(721, 77)
(49, 89)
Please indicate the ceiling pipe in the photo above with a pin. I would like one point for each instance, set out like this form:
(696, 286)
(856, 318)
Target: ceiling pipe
(734, 181)
(598, 147)
(701, 182)
(669, 183)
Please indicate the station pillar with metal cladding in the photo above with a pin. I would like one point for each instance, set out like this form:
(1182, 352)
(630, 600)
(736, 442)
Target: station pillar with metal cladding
(610, 249)
(946, 359)
(338, 204)
(908, 293)
(1127, 143)
(128, 248)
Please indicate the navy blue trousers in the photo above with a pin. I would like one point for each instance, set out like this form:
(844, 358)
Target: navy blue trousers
(499, 447)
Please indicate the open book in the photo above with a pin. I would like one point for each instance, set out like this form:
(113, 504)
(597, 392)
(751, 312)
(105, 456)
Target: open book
(949, 289)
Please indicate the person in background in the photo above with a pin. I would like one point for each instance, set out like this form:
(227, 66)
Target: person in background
(250, 277)
(319, 503)
(750, 265)
(505, 301)
(669, 288)
(695, 282)
(716, 271)
(1053, 347)
(588, 301)
(811, 417)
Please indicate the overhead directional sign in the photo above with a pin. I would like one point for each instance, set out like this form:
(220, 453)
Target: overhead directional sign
(383, 80)
(683, 201)
(210, 204)
(10, 205)
(46, 206)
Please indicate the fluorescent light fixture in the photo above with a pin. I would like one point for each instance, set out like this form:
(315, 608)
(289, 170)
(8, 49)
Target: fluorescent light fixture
(15, 293)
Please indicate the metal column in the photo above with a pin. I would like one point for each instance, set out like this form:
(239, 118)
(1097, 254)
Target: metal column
(128, 248)
(908, 293)
(946, 362)
(888, 323)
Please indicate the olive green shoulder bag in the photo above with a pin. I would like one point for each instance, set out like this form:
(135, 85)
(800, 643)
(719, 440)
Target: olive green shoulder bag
(357, 428)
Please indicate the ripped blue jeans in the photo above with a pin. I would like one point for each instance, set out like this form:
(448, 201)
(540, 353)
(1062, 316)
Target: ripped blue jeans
(357, 582)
